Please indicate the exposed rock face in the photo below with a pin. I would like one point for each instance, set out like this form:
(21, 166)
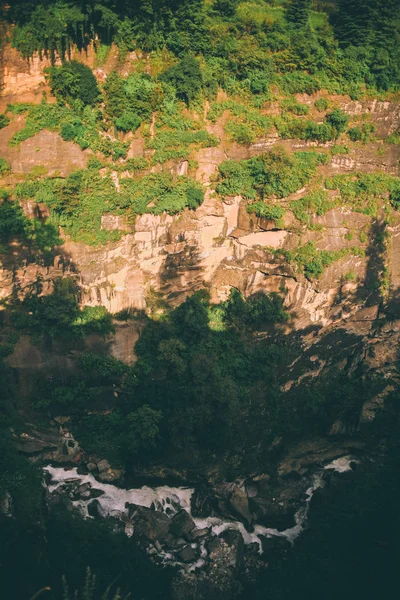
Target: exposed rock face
(150, 524)
(219, 245)
(182, 524)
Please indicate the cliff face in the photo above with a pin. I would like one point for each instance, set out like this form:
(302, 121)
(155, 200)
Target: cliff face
(219, 245)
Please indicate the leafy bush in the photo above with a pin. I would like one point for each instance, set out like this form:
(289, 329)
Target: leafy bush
(275, 173)
(272, 212)
(5, 168)
(255, 313)
(365, 191)
(128, 122)
(291, 105)
(338, 120)
(362, 134)
(58, 313)
(185, 77)
(74, 81)
(315, 203)
(312, 262)
(4, 120)
(321, 104)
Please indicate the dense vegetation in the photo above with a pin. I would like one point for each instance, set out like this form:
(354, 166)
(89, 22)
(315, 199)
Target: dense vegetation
(340, 45)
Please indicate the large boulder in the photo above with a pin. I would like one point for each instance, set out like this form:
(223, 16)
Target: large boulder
(95, 509)
(188, 554)
(182, 524)
(150, 524)
(239, 502)
(272, 513)
(106, 473)
(234, 540)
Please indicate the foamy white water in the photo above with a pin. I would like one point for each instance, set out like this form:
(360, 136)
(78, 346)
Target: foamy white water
(342, 464)
(114, 499)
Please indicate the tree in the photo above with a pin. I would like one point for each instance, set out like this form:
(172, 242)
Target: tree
(298, 12)
(185, 77)
(143, 428)
(338, 120)
(226, 8)
(74, 81)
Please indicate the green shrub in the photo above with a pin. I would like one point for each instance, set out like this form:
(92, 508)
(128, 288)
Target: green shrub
(339, 149)
(275, 173)
(338, 120)
(4, 120)
(312, 262)
(272, 212)
(255, 313)
(5, 168)
(321, 104)
(315, 203)
(362, 134)
(299, 83)
(74, 81)
(128, 122)
(185, 77)
(291, 105)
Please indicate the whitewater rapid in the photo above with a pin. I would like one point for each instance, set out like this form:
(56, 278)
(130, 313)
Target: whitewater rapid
(114, 500)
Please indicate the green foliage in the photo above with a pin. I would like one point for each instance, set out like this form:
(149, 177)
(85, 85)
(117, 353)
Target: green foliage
(312, 262)
(5, 168)
(4, 120)
(175, 144)
(58, 313)
(128, 122)
(138, 95)
(247, 45)
(321, 104)
(186, 78)
(81, 125)
(143, 428)
(365, 192)
(39, 236)
(339, 149)
(78, 202)
(292, 106)
(275, 173)
(273, 212)
(315, 203)
(298, 12)
(362, 134)
(255, 313)
(74, 81)
(338, 121)
(103, 366)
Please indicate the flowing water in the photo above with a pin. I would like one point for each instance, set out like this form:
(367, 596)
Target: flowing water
(171, 499)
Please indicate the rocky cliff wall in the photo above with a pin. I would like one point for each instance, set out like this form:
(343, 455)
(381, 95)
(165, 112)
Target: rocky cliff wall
(219, 245)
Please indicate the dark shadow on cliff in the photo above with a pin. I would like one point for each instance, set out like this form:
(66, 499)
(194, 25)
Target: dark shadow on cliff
(182, 273)
(370, 292)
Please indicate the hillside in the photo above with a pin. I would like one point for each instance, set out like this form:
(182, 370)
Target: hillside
(199, 289)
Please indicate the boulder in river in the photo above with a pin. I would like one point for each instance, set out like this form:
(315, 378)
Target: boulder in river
(150, 524)
(182, 524)
(234, 540)
(95, 509)
(273, 514)
(239, 502)
(188, 554)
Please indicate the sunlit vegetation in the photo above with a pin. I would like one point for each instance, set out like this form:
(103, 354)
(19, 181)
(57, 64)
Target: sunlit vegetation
(275, 174)
(78, 202)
